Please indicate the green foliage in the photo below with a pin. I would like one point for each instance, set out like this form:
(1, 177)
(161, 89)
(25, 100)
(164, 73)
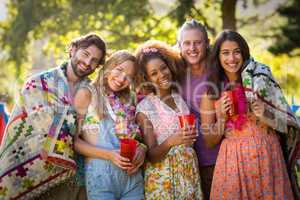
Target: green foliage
(184, 7)
(284, 68)
(24, 16)
(124, 25)
(289, 38)
(31, 19)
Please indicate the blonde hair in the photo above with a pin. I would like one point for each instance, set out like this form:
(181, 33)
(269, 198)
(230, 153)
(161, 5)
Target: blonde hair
(100, 82)
(192, 24)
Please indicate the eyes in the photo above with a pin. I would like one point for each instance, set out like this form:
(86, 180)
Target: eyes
(235, 52)
(195, 43)
(94, 61)
(153, 73)
(162, 68)
(119, 71)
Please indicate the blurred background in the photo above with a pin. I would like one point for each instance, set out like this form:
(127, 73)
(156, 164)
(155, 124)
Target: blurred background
(34, 34)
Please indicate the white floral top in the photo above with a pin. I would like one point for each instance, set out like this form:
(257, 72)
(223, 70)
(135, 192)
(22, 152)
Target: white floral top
(177, 176)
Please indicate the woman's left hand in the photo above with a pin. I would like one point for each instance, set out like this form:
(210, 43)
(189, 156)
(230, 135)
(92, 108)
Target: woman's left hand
(258, 108)
(138, 160)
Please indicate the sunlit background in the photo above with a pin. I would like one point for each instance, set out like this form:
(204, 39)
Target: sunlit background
(34, 34)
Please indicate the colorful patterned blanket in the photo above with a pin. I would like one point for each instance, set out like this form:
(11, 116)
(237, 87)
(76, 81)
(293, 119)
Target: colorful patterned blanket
(259, 83)
(37, 148)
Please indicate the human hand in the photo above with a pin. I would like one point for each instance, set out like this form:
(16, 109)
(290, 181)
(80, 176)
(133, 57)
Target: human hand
(138, 160)
(223, 106)
(122, 162)
(185, 135)
(258, 108)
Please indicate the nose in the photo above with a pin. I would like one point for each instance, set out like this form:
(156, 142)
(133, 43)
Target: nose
(231, 56)
(193, 46)
(162, 74)
(122, 77)
(87, 61)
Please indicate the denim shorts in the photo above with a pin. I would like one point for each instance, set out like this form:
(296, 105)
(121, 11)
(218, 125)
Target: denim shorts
(106, 181)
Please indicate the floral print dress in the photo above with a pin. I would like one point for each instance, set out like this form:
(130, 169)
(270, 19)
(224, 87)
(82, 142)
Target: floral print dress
(250, 164)
(177, 175)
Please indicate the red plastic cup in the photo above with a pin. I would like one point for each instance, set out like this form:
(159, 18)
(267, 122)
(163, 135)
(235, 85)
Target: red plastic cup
(128, 148)
(233, 106)
(187, 120)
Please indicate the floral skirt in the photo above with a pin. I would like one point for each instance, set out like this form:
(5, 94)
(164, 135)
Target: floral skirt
(175, 177)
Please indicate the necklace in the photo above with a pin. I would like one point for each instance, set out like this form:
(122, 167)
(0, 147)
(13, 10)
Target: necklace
(123, 115)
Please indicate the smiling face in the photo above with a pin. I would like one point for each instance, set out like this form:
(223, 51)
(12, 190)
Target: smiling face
(121, 76)
(193, 46)
(84, 61)
(231, 59)
(159, 74)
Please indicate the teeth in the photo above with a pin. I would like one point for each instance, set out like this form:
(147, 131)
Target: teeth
(82, 66)
(193, 54)
(117, 84)
(165, 82)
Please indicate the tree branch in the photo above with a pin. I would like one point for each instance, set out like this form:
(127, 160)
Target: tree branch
(253, 19)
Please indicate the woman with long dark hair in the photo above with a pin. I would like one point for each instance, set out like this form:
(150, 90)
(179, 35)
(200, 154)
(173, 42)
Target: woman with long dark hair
(236, 112)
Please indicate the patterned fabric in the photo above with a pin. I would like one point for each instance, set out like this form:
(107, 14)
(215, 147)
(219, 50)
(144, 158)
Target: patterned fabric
(124, 116)
(177, 175)
(125, 125)
(250, 165)
(36, 152)
(259, 82)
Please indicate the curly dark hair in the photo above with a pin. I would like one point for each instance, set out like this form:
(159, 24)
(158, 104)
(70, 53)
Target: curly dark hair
(157, 49)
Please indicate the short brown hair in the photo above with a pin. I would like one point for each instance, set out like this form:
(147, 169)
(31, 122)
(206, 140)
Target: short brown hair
(88, 40)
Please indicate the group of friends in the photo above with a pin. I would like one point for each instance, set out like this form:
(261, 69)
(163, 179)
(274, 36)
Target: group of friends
(62, 123)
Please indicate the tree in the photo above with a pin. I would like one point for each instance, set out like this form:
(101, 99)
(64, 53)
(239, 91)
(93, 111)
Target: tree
(122, 23)
(289, 37)
(228, 8)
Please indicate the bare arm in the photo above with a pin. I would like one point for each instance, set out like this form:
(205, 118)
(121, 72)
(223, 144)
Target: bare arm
(157, 152)
(213, 119)
(81, 103)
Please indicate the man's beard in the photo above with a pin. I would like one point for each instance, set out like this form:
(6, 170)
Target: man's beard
(77, 72)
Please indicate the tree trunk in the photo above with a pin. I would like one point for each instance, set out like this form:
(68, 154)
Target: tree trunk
(228, 14)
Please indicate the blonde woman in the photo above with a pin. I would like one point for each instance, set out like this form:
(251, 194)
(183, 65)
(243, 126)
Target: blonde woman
(109, 111)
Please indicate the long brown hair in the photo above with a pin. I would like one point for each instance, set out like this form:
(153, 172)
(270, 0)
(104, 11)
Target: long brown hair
(217, 74)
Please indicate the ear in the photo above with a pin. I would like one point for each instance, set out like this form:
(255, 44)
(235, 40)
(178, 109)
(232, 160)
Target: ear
(178, 45)
(72, 51)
